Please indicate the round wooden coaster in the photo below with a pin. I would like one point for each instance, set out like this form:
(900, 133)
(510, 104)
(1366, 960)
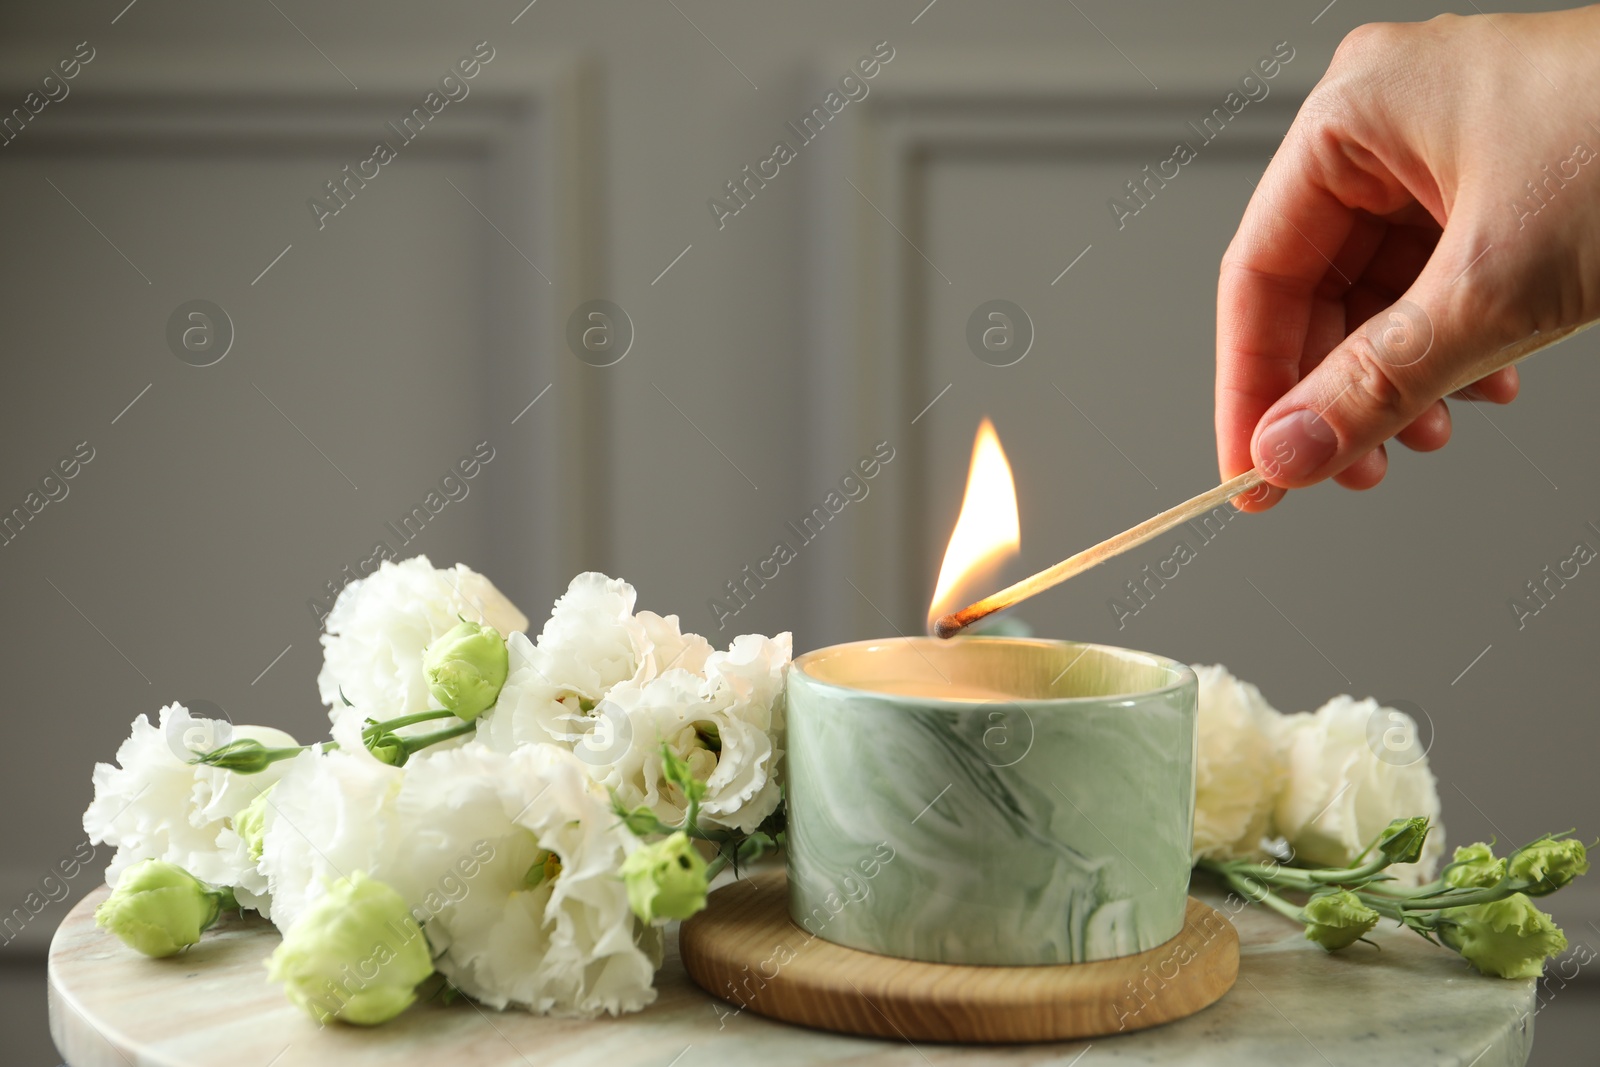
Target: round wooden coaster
(744, 949)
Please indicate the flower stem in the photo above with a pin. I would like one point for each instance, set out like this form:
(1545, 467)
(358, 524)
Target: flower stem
(1253, 890)
(716, 866)
(413, 745)
(1462, 898)
(405, 720)
(1305, 878)
(1392, 891)
(1382, 905)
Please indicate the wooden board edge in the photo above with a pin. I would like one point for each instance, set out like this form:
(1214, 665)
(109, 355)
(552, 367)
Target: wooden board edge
(846, 990)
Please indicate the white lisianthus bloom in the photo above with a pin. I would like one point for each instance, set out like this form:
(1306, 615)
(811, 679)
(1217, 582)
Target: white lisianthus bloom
(747, 680)
(1238, 770)
(382, 624)
(511, 863)
(154, 804)
(615, 686)
(633, 722)
(593, 640)
(591, 643)
(331, 813)
(1344, 786)
(531, 708)
(726, 725)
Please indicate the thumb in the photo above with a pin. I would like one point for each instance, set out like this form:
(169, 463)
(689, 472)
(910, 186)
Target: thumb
(1373, 385)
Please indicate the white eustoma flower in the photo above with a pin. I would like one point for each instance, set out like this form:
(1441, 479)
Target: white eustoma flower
(747, 680)
(614, 686)
(331, 813)
(726, 725)
(592, 642)
(511, 862)
(1238, 769)
(532, 708)
(154, 804)
(633, 722)
(1344, 785)
(382, 624)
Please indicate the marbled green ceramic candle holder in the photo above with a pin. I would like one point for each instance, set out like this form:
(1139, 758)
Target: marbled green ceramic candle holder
(990, 800)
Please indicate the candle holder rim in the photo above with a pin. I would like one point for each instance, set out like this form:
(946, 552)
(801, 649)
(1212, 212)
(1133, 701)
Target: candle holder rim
(1183, 673)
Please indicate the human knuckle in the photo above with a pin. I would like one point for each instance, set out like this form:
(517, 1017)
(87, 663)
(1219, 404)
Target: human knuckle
(1373, 382)
(1367, 41)
(1319, 113)
(1324, 138)
(1447, 23)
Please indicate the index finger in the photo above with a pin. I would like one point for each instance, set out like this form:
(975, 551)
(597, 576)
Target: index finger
(1292, 229)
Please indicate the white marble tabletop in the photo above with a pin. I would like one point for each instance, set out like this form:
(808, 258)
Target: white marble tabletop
(1410, 1003)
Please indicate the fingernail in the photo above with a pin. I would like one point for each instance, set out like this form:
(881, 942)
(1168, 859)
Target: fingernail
(1296, 446)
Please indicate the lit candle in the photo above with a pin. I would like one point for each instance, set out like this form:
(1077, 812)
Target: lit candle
(989, 800)
(1036, 808)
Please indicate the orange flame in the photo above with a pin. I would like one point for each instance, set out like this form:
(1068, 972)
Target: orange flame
(987, 532)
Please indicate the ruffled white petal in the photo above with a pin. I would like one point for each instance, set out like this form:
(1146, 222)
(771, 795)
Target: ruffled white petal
(1238, 769)
(331, 813)
(614, 686)
(381, 625)
(153, 804)
(1344, 786)
(477, 821)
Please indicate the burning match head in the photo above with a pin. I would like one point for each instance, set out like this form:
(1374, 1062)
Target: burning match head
(947, 626)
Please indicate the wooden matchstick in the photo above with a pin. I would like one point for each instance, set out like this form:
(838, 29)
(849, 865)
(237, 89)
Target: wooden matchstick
(953, 623)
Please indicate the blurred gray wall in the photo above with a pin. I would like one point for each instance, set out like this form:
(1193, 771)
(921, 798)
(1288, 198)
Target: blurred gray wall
(768, 351)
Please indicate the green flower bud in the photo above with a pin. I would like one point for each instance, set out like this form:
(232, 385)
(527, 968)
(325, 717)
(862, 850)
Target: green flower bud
(245, 756)
(1507, 938)
(1474, 867)
(676, 770)
(666, 879)
(465, 669)
(1401, 841)
(355, 954)
(251, 822)
(388, 748)
(158, 908)
(1548, 864)
(1337, 920)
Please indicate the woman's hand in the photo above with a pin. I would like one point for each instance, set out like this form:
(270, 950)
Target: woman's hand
(1435, 204)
